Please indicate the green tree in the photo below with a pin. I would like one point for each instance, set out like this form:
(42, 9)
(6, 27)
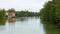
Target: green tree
(48, 13)
(11, 10)
(2, 13)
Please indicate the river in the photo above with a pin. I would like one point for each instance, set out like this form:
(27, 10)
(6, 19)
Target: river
(26, 25)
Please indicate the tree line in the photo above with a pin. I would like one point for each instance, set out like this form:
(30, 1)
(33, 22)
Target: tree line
(51, 12)
(26, 14)
(21, 13)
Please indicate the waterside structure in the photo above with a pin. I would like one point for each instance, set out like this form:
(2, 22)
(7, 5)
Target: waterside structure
(10, 14)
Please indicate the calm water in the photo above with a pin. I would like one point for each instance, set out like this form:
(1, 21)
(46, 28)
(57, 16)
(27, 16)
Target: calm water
(22, 25)
(27, 25)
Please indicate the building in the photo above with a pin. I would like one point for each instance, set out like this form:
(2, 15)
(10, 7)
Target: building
(10, 14)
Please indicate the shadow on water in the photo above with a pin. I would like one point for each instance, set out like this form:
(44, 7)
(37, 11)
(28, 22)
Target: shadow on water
(2, 23)
(51, 28)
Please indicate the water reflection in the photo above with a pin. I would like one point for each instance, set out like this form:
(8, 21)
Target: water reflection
(22, 25)
(22, 19)
(51, 28)
(2, 23)
(11, 20)
(2, 27)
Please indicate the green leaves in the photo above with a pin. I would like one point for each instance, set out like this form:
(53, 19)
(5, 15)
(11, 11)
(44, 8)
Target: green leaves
(2, 13)
(51, 11)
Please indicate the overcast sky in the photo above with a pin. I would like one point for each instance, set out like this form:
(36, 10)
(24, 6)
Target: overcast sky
(31, 5)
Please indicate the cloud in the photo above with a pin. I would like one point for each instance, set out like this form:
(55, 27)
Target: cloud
(32, 5)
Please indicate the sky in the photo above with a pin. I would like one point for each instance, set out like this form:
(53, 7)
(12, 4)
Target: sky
(31, 5)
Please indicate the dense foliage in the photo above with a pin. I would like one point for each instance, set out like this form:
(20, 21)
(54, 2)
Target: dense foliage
(2, 13)
(2, 17)
(51, 12)
(26, 14)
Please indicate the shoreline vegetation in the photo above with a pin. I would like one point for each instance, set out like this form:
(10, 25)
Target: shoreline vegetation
(51, 12)
(26, 14)
(12, 12)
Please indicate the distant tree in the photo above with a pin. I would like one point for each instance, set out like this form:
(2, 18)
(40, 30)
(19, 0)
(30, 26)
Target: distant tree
(11, 10)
